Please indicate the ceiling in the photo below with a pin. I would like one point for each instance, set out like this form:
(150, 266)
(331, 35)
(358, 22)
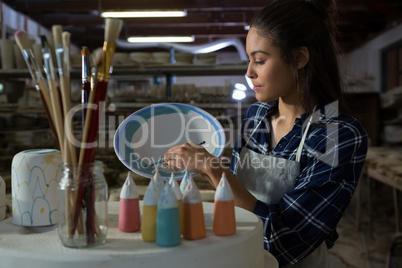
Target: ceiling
(207, 20)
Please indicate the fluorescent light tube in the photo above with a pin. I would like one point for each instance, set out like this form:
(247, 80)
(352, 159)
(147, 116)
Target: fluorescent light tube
(160, 39)
(144, 14)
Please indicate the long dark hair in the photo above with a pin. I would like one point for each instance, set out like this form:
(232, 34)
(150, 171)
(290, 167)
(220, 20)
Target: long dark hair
(291, 24)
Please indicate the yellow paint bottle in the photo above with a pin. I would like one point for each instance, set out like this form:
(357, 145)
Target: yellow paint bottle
(148, 228)
(149, 211)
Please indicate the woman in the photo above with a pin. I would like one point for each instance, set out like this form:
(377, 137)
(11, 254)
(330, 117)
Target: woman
(298, 158)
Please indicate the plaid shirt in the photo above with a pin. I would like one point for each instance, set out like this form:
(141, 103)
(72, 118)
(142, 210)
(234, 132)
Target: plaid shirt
(331, 162)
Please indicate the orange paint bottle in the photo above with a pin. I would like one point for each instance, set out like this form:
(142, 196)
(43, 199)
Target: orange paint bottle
(193, 213)
(224, 209)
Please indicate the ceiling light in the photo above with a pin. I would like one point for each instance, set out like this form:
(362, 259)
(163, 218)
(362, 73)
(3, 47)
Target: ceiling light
(238, 94)
(144, 14)
(240, 86)
(160, 39)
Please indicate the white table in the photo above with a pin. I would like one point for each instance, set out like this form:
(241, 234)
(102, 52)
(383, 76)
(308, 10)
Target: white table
(41, 246)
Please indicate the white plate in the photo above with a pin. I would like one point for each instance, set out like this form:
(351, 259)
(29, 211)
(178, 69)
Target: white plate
(145, 136)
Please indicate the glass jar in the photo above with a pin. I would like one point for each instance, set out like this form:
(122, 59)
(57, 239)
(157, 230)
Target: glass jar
(83, 193)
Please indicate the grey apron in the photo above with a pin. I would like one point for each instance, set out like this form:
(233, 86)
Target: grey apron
(268, 178)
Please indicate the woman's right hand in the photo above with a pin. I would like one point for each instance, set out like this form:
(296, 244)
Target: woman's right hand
(193, 157)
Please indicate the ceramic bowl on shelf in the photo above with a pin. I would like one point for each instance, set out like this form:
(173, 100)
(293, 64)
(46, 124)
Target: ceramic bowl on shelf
(161, 57)
(140, 57)
(206, 58)
(184, 58)
(120, 58)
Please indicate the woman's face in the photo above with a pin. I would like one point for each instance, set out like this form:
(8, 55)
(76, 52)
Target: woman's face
(272, 77)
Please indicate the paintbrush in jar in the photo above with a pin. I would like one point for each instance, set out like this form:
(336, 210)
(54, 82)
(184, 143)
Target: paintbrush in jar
(65, 36)
(86, 82)
(97, 95)
(21, 38)
(54, 95)
(112, 31)
(61, 44)
(67, 67)
(65, 93)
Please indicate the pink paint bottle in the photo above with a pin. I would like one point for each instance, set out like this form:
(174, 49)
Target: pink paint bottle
(129, 208)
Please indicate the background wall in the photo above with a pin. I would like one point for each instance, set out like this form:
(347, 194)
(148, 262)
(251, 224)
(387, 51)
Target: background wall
(363, 65)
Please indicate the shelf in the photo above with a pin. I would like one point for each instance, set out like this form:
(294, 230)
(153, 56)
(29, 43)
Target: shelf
(182, 70)
(16, 110)
(19, 130)
(125, 105)
(14, 73)
(119, 106)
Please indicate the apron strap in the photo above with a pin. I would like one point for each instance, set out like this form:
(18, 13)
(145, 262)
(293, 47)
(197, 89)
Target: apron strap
(301, 144)
(300, 148)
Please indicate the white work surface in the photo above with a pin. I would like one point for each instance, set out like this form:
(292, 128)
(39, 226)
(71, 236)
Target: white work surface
(41, 247)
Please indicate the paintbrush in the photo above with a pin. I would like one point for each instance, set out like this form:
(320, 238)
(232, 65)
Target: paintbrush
(88, 116)
(112, 31)
(21, 38)
(65, 92)
(61, 44)
(54, 95)
(83, 172)
(86, 81)
(66, 45)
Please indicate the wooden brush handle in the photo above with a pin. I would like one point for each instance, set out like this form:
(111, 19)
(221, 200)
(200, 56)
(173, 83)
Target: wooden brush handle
(54, 95)
(66, 100)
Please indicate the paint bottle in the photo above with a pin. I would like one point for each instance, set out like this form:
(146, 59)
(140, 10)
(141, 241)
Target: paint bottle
(149, 210)
(129, 207)
(176, 189)
(168, 220)
(224, 209)
(184, 182)
(193, 212)
(158, 180)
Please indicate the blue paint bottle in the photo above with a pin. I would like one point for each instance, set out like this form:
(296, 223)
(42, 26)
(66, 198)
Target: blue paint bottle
(168, 232)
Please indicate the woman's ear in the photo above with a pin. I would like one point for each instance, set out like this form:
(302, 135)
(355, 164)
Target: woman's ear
(302, 56)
